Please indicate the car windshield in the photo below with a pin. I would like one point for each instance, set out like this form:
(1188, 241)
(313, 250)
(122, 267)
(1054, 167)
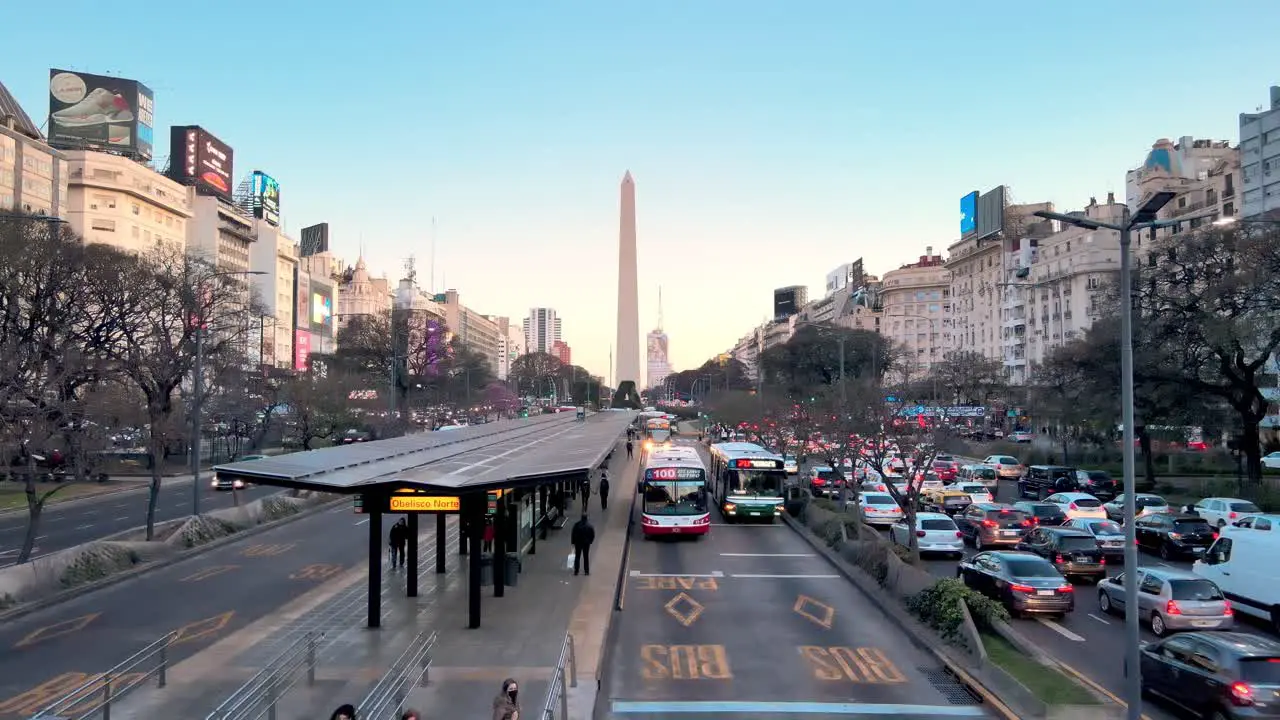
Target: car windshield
(878, 500)
(1149, 501)
(1009, 518)
(1191, 526)
(1260, 670)
(1006, 460)
(1086, 502)
(1244, 507)
(980, 489)
(1045, 510)
(1057, 473)
(1030, 569)
(1105, 527)
(938, 524)
(1203, 590)
(829, 474)
(1073, 543)
(985, 473)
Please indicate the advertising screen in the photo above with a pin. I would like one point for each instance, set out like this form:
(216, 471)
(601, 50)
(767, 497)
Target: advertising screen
(266, 197)
(301, 349)
(100, 112)
(321, 308)
(969, 213)
(198, 158)
(315, 239)
(302, 298)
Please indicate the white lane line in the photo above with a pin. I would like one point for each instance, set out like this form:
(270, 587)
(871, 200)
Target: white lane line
(86, 526)
(123, 517)
(1104, 621)
(1060, 630)
(363, 521)
(716, 574)
(779, 577)
(747, 555)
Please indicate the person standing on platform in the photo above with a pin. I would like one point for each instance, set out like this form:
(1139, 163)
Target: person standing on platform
(506, 705)
(604, 489)
(630, 449)
(582, 536)
(398, 540)
(488, 535)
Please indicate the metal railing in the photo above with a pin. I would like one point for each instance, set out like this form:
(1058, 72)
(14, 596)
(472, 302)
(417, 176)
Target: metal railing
(259, 696)
(94, 696)
(387, 698)
(558, 693)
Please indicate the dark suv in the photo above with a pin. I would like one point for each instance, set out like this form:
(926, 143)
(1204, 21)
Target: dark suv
(1041, 481)
(1074, 552)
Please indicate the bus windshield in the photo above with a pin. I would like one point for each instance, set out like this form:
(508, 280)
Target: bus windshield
(757, 482)
(675, 497)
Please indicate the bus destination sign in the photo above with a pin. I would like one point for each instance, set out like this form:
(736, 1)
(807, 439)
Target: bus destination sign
(673, 474)
(758, 463)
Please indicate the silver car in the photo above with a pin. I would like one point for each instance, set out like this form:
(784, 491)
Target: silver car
(1170, 600)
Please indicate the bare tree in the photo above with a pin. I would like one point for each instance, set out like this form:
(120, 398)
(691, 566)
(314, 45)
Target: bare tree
(318, 407)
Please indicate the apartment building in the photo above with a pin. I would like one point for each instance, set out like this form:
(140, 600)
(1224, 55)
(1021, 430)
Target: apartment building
(1260, 159)
(274, 255)
(1188, 159)
(474, 331)
(541, 330)
(120, 202)
(510, 345)
(916, 311)
(220, 231)
(33, 176)
(1213, 195)
(361, 294)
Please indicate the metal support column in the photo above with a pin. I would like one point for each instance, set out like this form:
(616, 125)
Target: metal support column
(500, 548)
(442, 542)
(464, 532)
(533, 529)
(542, 510)
(374, 510)
(411, 585)
(473, 511)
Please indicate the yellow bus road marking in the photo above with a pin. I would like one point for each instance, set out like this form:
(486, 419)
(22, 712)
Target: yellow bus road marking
(206, 573)
(41, 696)
(317, 572)
(638, 574)
(684, 609)
(819, 613)
(56, 630)
(267, 550)
(676, 582)
(864, 665)
(202, 628)
(685, 662)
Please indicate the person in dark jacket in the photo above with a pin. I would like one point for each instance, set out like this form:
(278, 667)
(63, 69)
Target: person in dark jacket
(604, 490)
(344, 712)
(582, 536)
(399, 539)
(506, 705)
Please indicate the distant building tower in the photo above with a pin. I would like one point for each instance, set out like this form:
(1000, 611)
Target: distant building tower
(541, 330)
(659, 361)
(787, 301)
(561, 351)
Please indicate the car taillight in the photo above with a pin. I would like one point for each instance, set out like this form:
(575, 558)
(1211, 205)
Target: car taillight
(1058, 558)
(1171, 608)
(1026, 523)
(1022, 588)
(1066, 588)
(1215, 536)
(1226, 608)
(1102, 560)
(1175, 536)
(1241, 694)
(1231, 515)
(1073, 506)
(988, 523)
(959, 534)
(919, 533)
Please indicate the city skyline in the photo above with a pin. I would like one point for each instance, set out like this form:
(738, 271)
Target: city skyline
(761, 168)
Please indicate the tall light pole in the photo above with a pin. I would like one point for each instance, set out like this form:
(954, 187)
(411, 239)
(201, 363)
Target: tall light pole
(1143, 219)
(197, 382)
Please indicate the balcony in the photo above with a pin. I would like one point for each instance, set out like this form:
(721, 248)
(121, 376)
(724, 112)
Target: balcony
(238, 231)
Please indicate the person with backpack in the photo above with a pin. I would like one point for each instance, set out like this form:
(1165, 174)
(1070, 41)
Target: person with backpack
(582, 535)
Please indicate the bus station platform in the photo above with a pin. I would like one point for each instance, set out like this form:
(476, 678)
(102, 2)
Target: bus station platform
(523, 639)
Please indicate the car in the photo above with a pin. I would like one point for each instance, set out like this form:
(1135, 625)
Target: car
(1040, 481)
(947, 501)
(824, 481)
(874, 486)
(1078, 505)
(789, 463)
(945, 470)
(221, 482)
(993, 524)
(1174, 536)
(985, 474)
(1221, 511)
(1108, 535)
(1144, 503)
(935, 533)
(879, 509)
(1227, 675)
(1170, 600)
(1073, 552)
(1007, 467)
(1024, 583)
(1262, 522)
(1022, 436)
(1271, 461)
(976, 491)
(1043, 513)
(1097, 483)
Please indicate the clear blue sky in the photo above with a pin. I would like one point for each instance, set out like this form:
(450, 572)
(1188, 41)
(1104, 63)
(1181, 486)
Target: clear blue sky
(770, 141)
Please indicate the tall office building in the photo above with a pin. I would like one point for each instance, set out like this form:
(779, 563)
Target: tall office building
(1260, 159)
(541, 330)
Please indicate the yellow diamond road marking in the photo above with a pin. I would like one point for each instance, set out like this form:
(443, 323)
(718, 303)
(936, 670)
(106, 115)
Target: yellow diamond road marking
(201, 628)
(820, 614)
(48, 632)
(684, 609)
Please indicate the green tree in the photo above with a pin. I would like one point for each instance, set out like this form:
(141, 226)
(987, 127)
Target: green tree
(965, 377)
(811, 359)
(535, 374)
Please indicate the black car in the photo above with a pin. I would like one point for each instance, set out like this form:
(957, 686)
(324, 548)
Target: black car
(826, 482)
(1075, 553)
(1044, 514)
(1041, 481)
(1023, 582)
(1174, 536)
(1097, 483)
(1215, 674)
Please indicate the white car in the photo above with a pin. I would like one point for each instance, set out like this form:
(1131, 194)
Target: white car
(936, 533)
(792, 467)
(1109, 535)
(1271, 460)
(1222, 511)
(977, 492)
(880, 509)
(1144, 503)
(1078, 505)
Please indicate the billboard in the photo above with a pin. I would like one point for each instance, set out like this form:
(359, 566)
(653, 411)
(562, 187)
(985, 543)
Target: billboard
(198, 158)
(990, 215)
(657, 347)
(969, 213)
(315, 239)
(788, 300)
(301, 349)
(266, 197)
(320, 313)
(301, 298)
(98, 112)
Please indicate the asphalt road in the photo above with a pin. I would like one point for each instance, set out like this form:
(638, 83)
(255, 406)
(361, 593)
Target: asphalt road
(47, 653)
(1087, 640)
(81, 521)
(750, 614)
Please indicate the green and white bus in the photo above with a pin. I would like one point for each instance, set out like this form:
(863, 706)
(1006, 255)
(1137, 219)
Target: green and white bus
(747, 481)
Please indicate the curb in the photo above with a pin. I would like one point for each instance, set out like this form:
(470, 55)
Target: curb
(906, 623)
(71, 593)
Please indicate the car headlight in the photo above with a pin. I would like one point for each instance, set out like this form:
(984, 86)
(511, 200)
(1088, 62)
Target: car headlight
(237, 484)
(214, 483)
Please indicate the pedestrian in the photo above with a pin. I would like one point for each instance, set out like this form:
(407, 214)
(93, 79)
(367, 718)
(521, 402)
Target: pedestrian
(397, 541)
(582, 536)
(488, 535)
(409, 714)
(630, 450)
(344, 712)
(506, 706)
(604, 490)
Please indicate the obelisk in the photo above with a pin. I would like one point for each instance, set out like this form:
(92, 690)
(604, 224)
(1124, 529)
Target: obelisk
(628, 357)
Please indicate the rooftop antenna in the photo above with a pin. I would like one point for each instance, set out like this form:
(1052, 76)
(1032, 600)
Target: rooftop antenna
(659, 308)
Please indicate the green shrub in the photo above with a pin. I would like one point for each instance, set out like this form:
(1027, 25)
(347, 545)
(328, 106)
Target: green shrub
(937, 607)
(903, 553)
(872, 557)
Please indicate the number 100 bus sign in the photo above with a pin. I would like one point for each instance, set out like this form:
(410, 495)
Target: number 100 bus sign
(673, 474)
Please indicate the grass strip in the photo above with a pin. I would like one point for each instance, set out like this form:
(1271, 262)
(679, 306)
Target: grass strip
(1048, 684)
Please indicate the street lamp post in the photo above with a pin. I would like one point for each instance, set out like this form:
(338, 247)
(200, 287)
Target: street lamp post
(197, 396)
(1143, 219)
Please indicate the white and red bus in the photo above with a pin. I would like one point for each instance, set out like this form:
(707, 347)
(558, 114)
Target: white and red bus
(674, 487)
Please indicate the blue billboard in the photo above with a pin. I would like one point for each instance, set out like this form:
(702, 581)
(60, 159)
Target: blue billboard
(969, 213)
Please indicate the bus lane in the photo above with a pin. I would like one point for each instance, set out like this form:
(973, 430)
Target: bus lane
(749, 620)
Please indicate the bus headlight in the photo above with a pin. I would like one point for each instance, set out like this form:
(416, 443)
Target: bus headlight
(779, 509)
(730, 508)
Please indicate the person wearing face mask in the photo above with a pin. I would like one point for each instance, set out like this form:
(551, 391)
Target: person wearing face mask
(505, 705)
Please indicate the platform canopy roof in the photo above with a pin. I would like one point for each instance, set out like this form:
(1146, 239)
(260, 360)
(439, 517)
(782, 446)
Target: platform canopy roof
(501, 454)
